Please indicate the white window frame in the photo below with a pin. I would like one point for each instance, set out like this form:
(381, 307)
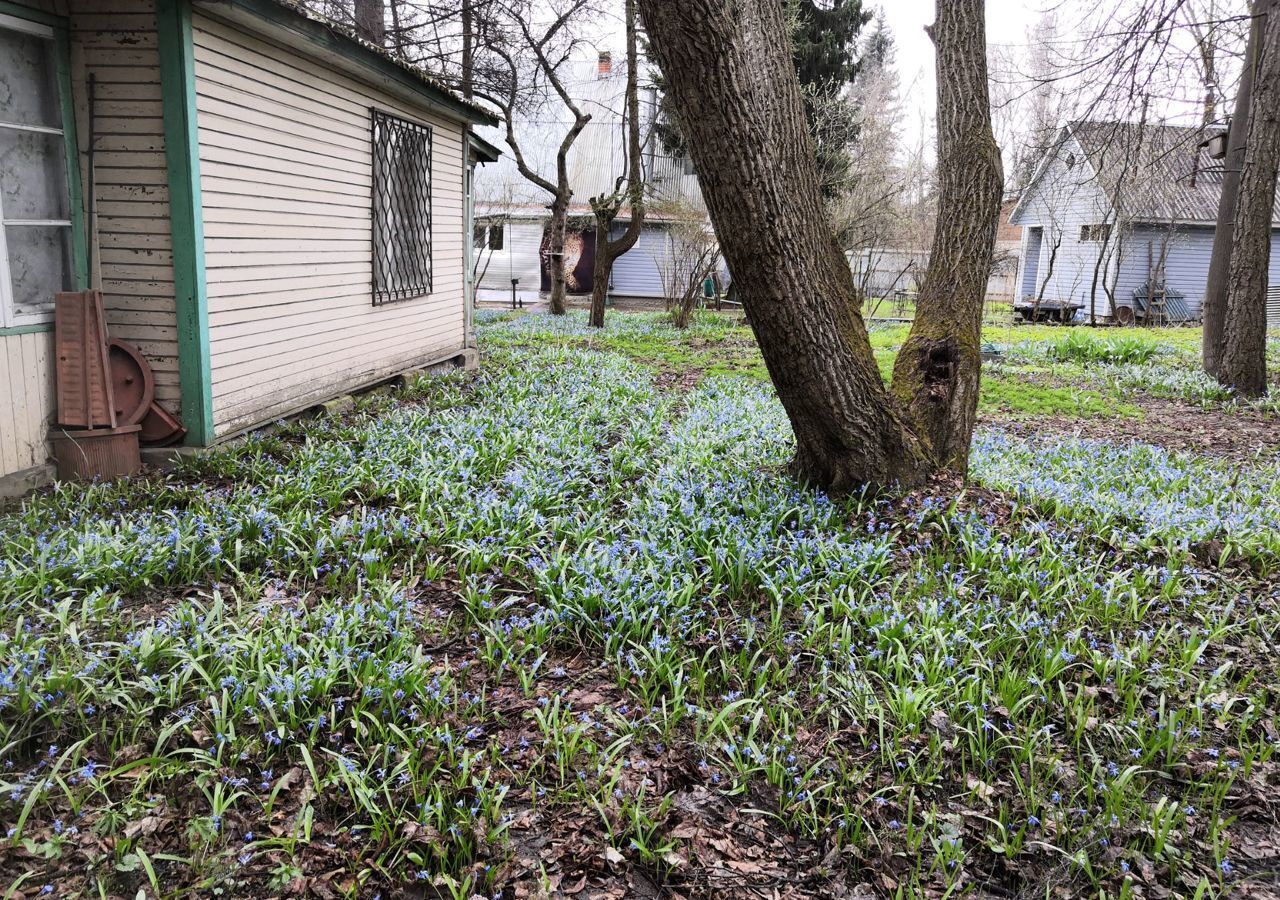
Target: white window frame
(9, 318)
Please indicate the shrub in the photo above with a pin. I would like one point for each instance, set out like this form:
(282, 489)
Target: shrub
(1080, 348)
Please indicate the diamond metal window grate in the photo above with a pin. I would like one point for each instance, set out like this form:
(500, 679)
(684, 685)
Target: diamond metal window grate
(401, 209)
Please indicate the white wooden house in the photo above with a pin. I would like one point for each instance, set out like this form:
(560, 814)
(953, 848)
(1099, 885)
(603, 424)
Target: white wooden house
(1114, 206)
(276, 212)
(512, 212)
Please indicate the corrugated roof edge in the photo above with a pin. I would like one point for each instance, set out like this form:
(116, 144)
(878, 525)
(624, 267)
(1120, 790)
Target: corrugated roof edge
(346, 41)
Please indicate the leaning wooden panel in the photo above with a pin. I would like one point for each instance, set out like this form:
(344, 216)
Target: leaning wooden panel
(80, 333)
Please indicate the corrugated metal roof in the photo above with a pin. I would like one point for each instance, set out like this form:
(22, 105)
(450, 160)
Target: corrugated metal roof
(1155, 173)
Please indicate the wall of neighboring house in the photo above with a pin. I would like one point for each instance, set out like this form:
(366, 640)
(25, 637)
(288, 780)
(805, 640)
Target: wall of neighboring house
(637, 273)
(518, 258)
(1063, 201)
(285, 176)
(1187, 252)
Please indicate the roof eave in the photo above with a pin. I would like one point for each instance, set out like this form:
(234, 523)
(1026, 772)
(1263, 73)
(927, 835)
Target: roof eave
(482, 150)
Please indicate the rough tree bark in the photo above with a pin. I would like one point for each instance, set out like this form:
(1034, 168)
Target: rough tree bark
(556, 225)
(734, 90)
(729, 73)
(1214, 309)
(1244, 359)
(935, 377)
(606, 208)
(370, 20)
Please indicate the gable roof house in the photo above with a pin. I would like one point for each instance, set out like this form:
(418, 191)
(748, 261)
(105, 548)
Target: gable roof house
(512, 212)
(1115, 208)
(274, 211)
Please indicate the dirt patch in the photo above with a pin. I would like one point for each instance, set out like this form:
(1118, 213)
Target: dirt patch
(1236, 434)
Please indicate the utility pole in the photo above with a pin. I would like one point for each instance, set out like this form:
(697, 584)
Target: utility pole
(1214, 311)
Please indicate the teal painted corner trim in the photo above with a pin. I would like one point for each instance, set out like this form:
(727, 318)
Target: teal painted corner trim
(26, 329)
(79, 225)
(32, 15)
(186, 217)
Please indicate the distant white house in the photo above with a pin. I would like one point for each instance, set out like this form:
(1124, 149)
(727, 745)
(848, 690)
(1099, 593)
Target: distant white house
(511, 212)
(1115, 208)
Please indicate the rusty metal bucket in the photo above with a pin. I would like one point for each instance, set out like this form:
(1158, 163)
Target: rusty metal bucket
(96, 453)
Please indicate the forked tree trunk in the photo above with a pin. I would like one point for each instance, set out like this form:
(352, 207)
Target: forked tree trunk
(606, 208)
(728, 68)
(1244, 358)
(1214, 308)
(936, 374)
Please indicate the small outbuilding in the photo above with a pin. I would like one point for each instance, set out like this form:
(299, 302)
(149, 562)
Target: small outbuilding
(275, 211)
(1119, 221)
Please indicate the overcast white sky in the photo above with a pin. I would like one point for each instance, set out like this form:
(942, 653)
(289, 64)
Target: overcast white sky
(1009, 26)
(1007, 23)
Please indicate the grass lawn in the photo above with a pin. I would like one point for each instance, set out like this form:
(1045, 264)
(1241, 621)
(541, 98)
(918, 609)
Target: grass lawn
(566, 628)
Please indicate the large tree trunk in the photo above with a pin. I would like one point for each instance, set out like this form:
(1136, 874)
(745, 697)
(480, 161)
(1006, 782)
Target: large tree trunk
(468, 51)
(1214, 309)
(1244, 359)
(606, 208)
(729, 73)
(370, 19)
(936, 374)
(555, 253)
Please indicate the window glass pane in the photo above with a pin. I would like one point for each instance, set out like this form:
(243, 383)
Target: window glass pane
(28, 80)
(33, 180)
(39, 266)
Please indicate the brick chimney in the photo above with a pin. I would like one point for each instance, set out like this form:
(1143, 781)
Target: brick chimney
(604, 68)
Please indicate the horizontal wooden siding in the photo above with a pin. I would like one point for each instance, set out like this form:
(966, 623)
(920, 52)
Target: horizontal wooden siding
(285, 174)
(115, 42)
(26, 400)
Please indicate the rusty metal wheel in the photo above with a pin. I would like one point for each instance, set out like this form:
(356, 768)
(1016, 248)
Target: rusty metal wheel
(133, 386)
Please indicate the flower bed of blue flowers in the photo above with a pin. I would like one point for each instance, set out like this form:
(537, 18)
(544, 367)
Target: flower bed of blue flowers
(552, 625)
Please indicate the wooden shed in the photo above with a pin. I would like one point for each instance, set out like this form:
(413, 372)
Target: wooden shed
(275, 211)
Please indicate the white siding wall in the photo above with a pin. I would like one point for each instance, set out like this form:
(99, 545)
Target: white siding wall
(638, 272)
(115, 40)
(518, 258)
(285, 174)
(26, 400)
(635, 273)
(1188, 252)
(1065, 199)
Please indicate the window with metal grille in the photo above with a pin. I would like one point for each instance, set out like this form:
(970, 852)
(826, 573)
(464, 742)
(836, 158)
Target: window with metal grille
(401, 209)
